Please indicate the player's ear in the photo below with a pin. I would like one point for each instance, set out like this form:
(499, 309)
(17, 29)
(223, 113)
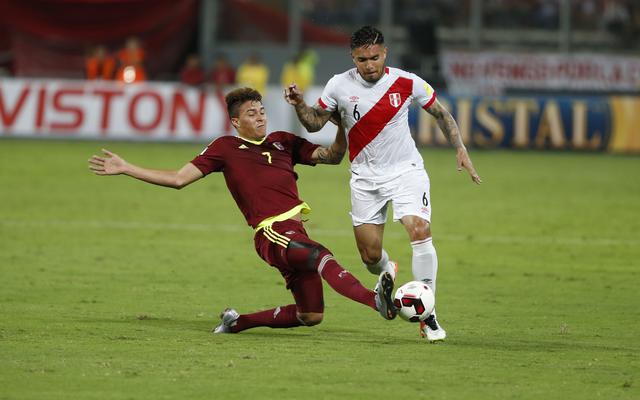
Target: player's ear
(235, 122)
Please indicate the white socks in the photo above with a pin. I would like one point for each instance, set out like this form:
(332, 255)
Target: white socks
(383, 264)
(425, 262)
(380, 266)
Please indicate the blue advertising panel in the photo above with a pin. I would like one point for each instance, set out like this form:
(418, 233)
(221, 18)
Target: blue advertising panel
(580, 123)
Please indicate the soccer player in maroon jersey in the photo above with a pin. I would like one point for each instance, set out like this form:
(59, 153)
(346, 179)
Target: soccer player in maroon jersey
(258, 170)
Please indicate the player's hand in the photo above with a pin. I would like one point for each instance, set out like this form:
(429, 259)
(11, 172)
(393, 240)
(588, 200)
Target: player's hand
(293, 95)
(111, 164)
(464, 161)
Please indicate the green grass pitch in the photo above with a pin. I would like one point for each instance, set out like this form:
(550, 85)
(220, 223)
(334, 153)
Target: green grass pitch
(109, 286)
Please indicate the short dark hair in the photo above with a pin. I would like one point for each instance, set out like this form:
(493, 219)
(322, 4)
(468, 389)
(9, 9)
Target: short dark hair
(366, 36)
(238, 97)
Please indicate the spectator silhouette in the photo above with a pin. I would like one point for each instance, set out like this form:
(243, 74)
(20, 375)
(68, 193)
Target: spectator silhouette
(100, 64)
(253, 73)
(301, 70)
(192, 72)
(222, 75)
(131, 60)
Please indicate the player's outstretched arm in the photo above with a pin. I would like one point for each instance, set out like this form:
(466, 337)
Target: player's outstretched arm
(449, 128)
(335, 152)
(312, 118)
(113, 164)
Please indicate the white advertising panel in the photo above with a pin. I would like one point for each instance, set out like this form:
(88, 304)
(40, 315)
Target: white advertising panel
(482, 73)
(148, 111)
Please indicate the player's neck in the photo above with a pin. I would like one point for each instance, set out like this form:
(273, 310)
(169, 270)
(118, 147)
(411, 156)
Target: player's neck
(252, 140)
(385, 72)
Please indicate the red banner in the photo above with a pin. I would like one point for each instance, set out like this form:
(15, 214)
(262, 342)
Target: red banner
(51, 37)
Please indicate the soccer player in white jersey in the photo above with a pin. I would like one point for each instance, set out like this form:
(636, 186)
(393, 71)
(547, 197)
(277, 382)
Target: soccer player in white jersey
(373, 101)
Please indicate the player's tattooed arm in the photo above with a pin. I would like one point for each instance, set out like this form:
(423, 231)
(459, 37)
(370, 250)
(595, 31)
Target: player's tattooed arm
(450, 130)
(446, 123)
(312, 118)
(328, 155)
(335, 152)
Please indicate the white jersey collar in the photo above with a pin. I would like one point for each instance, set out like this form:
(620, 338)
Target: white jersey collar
(382, 79)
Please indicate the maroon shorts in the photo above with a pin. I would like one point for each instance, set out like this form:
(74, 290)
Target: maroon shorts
(305, 283)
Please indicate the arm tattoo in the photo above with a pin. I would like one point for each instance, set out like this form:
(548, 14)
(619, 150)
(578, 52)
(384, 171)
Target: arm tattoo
(447, 124)
(312, 118)
(329, 155)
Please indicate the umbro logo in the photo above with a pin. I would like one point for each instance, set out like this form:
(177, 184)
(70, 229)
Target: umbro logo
(289, 232)
(242, 146)
(278, 146)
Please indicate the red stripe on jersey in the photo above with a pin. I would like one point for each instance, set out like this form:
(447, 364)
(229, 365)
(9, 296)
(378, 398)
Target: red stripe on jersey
(374, 121)
(433, 98)
(324, 106)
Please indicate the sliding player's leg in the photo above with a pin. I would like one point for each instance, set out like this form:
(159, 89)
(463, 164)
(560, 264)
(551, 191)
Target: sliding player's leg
(304, 253)
(302, 262)
(306, 288)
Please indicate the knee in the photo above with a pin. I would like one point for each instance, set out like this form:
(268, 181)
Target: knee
(306, 256)
(310, 319)
(419, 230)
(370, 255)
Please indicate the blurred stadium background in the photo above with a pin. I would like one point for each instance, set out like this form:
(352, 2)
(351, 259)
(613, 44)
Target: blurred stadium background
(544, 74)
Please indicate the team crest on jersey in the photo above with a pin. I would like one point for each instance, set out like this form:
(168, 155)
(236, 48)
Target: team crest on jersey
(354, 99)
(278, 146)
(394, 99)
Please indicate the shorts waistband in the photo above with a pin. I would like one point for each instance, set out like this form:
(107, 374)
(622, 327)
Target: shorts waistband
(300, 208)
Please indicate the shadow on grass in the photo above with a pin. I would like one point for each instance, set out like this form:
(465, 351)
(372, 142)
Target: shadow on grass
(328, 336)
(307, 334)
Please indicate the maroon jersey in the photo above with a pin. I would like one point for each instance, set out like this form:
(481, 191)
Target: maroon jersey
(260, 177)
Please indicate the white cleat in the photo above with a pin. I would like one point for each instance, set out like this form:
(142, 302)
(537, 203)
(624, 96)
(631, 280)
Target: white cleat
(432, 330)
(228, 319)
(384, 296)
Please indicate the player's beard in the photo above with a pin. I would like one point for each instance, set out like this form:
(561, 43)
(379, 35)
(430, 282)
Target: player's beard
(370, 77)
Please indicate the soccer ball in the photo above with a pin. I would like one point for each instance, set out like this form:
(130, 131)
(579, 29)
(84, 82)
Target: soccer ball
(414, 301)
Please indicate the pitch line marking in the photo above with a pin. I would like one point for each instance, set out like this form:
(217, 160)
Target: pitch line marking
(489, 239)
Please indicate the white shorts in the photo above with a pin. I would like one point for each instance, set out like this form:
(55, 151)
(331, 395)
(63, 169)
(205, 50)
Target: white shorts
(409, 194)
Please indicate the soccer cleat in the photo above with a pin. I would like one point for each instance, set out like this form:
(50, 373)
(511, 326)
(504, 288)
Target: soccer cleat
(384, 296)
(432, 330)
(392, 267)
(228, 318)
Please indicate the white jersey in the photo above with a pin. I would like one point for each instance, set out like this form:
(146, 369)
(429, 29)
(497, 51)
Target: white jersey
(375, 117)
